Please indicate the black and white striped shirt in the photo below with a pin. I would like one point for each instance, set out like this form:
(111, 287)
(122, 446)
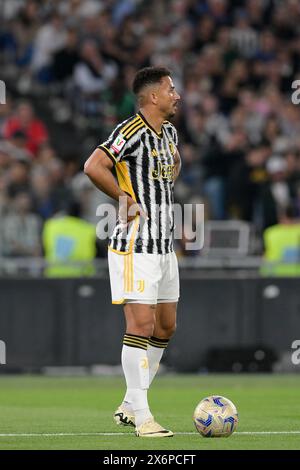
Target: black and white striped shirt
(144, 164)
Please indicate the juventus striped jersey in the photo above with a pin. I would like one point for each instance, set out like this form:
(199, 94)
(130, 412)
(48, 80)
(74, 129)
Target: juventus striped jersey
(144, 164)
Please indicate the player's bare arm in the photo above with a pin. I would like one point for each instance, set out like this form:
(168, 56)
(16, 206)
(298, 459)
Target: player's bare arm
(177, 162)
(98, 168)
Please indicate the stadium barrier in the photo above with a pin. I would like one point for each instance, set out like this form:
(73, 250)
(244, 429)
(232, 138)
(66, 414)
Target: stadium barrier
(222, 323)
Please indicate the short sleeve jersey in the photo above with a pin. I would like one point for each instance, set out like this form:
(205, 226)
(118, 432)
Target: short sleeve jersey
(144, 164)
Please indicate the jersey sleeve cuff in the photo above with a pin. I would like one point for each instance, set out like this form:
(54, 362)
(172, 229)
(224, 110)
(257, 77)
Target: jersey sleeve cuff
(108, 153)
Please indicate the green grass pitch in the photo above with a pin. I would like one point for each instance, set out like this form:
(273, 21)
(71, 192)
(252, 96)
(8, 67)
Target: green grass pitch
(76, 413)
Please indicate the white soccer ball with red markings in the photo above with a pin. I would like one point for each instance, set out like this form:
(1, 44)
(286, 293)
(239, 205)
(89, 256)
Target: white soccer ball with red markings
(215, 416)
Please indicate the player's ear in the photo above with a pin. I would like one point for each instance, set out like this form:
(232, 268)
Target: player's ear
(153, 97)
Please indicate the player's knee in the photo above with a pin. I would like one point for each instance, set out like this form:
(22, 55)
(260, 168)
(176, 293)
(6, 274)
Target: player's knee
(146, 329)
(170, 331)
(165, 332)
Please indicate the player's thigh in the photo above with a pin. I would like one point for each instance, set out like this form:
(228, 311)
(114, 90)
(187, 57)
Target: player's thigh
(165, 324)
(168, 290)
(134, 277)
(140, 318)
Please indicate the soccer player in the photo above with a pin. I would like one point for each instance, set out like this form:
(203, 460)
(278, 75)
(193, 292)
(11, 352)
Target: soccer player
(142, 262)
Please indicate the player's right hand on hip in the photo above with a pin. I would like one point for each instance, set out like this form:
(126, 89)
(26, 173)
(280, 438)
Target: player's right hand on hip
(129, 210)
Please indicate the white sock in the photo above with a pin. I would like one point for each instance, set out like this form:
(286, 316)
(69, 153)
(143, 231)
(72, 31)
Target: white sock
(126, 403)
(141, 416)
(154, 357)
(136, 371)
(155, 351)
(154, 354)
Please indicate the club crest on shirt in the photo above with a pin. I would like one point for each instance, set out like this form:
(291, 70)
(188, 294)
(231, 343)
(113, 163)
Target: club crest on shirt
(118, 143)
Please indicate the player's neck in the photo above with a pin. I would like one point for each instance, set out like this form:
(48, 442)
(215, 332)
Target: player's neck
(155, 121)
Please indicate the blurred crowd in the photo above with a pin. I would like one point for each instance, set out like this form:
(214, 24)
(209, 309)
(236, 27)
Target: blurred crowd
(233, 63)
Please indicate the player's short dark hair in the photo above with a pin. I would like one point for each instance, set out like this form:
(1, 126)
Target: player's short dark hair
(149, 76)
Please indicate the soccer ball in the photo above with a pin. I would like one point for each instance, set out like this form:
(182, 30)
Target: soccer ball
(215, 416)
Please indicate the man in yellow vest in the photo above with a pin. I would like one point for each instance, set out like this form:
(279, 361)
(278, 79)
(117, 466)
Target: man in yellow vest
(282, 246)
(69, 244)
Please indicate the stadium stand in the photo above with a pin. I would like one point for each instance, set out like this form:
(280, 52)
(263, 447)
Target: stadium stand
(68, 67)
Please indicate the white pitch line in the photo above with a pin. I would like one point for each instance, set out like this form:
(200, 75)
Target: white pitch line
(66, 434)
(268, 432)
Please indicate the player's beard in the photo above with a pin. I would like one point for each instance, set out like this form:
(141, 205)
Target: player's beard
(171, 113)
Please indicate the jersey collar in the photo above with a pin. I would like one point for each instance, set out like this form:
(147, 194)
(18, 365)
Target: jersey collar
(160, 134)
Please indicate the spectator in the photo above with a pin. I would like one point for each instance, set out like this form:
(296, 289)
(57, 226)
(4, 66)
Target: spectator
(61, 192)
(243, 36)
(25, 121)
(282, 246)
(5, 112)
(233, 63)
(92, 75)
(69, 244)
(26, 27)
(277, 194)
(5, 157)
(246, 181)
(49, 39)
(18, 143)
(43, 201)
(65, 59)
(18, 178)
(21, 229)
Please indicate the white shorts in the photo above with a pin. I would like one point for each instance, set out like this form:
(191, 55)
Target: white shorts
(143, 278)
